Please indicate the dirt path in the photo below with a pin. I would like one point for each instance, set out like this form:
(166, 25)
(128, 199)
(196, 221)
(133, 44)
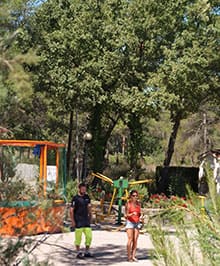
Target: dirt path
(108, 247)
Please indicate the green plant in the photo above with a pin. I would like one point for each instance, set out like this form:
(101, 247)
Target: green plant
(14, 190)
(71, 189)
(9, 249)
(195, 235)
(114, 171)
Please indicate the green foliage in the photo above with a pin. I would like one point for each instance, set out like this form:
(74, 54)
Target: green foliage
(15, 78)
(109, 59)
(12, 60)
(194, 239)
(115, 170)
(119, 58)
(14, 190)
(185, 73)
(71, 189)
(10, 249)
(176, 186)
(164, 248)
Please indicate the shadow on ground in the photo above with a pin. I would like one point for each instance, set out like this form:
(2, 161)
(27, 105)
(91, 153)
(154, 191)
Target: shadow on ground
(108, 254)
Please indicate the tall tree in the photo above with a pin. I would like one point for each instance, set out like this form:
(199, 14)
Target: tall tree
(124, 58)
(187, 72)
(14, 77)
(85, 58)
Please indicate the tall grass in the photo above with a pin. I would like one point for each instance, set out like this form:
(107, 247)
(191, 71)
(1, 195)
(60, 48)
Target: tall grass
(188, 235)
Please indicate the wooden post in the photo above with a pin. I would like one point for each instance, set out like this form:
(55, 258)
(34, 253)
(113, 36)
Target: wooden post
(41, 163)
(45, 170)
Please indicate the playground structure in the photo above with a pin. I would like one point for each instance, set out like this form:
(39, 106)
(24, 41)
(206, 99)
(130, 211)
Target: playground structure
(28, 216)
(120, 186)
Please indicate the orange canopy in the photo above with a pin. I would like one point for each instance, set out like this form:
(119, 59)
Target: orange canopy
(29, 143)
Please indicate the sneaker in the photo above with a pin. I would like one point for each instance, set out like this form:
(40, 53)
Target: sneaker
(80, 256)
(88, 255)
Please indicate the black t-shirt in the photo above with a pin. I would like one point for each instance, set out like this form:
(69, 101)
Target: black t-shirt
(81, 214)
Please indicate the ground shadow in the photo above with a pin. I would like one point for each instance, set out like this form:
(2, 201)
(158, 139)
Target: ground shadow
(108, 254)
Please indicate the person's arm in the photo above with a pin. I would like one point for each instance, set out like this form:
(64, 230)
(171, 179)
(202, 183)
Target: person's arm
(72, 216)
(126, 210)
(72, 209)
(90, 212)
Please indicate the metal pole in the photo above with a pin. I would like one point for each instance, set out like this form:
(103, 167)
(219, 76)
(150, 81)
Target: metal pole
(64, 172)
(87, 137)
(120, 193)
(84, 163)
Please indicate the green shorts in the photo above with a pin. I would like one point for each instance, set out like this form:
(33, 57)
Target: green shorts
(88, 235)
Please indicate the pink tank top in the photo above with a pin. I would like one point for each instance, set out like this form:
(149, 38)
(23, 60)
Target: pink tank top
(137, 209)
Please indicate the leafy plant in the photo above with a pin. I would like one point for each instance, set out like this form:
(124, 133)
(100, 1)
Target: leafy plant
(71, 189)
(10, 248)
(15, 190)
(192, 235)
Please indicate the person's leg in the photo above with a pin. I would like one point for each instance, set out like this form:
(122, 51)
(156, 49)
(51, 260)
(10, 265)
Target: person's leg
(130, 232)
(88, 240)
(134, 245)
(78, 238)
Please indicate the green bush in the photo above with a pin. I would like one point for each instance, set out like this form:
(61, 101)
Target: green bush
(71, 189)
(192, 234)
(14, 190)
(115, 171)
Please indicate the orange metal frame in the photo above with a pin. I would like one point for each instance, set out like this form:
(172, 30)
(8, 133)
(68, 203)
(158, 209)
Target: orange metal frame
(45, 146)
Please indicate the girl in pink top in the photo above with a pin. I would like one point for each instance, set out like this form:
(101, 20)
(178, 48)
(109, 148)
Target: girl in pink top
(133, 214)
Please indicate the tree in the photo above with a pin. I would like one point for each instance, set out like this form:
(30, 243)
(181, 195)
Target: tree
(187, 72)
(84, 60)
(14, 77)
(125, 59)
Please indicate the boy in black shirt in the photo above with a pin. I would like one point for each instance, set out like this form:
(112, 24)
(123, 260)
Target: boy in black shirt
(80, 213)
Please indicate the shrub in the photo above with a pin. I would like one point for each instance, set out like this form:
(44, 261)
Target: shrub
(71, 189)
(195, 235)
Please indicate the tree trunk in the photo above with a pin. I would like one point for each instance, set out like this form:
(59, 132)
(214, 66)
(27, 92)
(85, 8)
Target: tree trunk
(76, 162)
(136, 140)
(205, 142)
(101, 132)
(68, 155)
(99, 140)
(170, 149)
